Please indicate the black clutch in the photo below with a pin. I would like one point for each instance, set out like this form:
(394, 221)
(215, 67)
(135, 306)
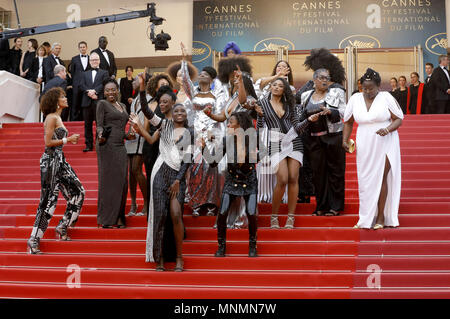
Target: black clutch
(105, 135)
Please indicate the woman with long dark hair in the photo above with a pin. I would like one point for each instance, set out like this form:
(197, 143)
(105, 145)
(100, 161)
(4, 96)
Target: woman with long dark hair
(286, 155)
(240, 177)
(56, 174)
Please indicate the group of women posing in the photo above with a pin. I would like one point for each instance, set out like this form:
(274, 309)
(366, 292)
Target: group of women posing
(208, 146)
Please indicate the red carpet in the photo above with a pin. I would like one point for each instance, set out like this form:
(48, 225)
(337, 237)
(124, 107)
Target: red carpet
(323, 257)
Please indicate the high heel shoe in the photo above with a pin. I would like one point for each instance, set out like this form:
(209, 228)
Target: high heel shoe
(61, 231)
(133, 210)
(196, 212)
(179, 265)
(290, 221)
(160, 266)
(274, 221)
(33, 245)
(378, 226)
(211, 211)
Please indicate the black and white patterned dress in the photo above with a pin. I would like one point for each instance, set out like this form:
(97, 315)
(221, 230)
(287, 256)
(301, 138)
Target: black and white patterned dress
(172, 163)
(284, 131)
(57, 175)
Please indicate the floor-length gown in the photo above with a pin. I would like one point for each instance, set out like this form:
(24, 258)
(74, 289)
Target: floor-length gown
(371, 153)
(112, 165)
(204, 183)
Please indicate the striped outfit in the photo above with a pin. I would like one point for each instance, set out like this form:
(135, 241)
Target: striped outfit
(283, 132)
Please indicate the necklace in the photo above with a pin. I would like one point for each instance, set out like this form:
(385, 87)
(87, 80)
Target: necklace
(204, 92)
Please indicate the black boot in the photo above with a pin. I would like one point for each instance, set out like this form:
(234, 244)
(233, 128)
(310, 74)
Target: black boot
(221, 235)
(252, 228)
(252, 248)
(222, 247)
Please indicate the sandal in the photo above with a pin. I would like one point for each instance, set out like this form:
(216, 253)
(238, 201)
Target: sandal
(378, 226)
(133, 210)
(317, 213)
(332, 213)
(290, 221)
(274, 221)
(196, 212)
(211, 211)
(160, 266)
(179, 268)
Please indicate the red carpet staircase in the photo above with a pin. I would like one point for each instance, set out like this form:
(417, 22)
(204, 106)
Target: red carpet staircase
(323, 257)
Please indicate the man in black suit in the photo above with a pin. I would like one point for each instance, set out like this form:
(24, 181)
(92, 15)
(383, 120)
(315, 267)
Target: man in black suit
(59, 80)
(428, 99)
(51, 61)
(4, 52)
(440, 80)
(107, 60)
(92, 88)
(78, 65)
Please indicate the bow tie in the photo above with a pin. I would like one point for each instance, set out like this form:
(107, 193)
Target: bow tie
(84, 56)
(96, 70)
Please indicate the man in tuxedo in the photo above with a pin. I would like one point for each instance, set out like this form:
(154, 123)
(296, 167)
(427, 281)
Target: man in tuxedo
(107, 60)
(4, 52)
(59, 80)
(51, 61)
(428, 99)
(78, 65)
(440, 80)
(92, 88)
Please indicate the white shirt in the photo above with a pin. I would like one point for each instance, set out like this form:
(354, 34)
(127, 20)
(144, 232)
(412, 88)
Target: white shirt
(41, 59)
(84, 61)
(446, 72)
(94, 74)
(105, 54)
(56, 59)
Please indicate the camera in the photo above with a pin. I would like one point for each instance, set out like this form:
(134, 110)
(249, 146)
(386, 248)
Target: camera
(161, 39)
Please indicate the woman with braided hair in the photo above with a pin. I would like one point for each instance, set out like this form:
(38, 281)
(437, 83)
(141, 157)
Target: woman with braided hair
(378, 157)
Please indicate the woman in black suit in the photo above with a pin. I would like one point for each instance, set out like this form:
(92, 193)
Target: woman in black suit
(126, 88)
(36, 70)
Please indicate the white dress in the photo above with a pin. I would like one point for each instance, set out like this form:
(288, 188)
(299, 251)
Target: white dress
(371, 152)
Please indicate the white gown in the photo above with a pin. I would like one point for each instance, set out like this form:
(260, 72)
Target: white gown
(371, 152)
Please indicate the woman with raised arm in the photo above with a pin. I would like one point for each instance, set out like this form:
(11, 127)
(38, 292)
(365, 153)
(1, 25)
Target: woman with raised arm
(56, 174)
(167, 182)
(204, 182)
(286, 155)
(240, 177)
(378, 157)
(236, 94)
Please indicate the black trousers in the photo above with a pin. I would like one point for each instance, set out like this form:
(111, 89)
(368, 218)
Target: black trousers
(327, 160)
(89, 114)
(441, 107)
(251, 202)
(76, 113)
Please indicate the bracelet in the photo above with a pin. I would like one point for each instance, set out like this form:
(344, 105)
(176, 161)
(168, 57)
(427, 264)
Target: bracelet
(64, 141)
(387, 130)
